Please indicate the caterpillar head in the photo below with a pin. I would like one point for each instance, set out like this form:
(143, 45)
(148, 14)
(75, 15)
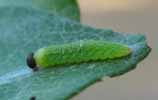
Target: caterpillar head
(31, 62)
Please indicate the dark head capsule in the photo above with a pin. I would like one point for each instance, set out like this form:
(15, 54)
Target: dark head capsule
(33, 98)
(31, 62)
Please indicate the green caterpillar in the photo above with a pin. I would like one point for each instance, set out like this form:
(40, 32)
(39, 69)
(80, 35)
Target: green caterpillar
(76, 52)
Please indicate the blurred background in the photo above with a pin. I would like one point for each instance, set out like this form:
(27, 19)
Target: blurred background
(128, 16)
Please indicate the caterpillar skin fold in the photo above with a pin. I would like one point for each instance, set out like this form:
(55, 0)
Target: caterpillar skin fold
(76, 52)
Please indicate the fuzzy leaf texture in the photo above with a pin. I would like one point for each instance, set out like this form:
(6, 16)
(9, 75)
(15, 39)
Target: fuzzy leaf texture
(24, 30)
(66, 8)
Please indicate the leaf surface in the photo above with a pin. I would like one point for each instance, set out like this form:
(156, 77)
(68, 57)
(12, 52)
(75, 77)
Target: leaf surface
(66, 8)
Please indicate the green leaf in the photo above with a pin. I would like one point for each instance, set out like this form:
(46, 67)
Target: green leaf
(24, 30)
(67, 8)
